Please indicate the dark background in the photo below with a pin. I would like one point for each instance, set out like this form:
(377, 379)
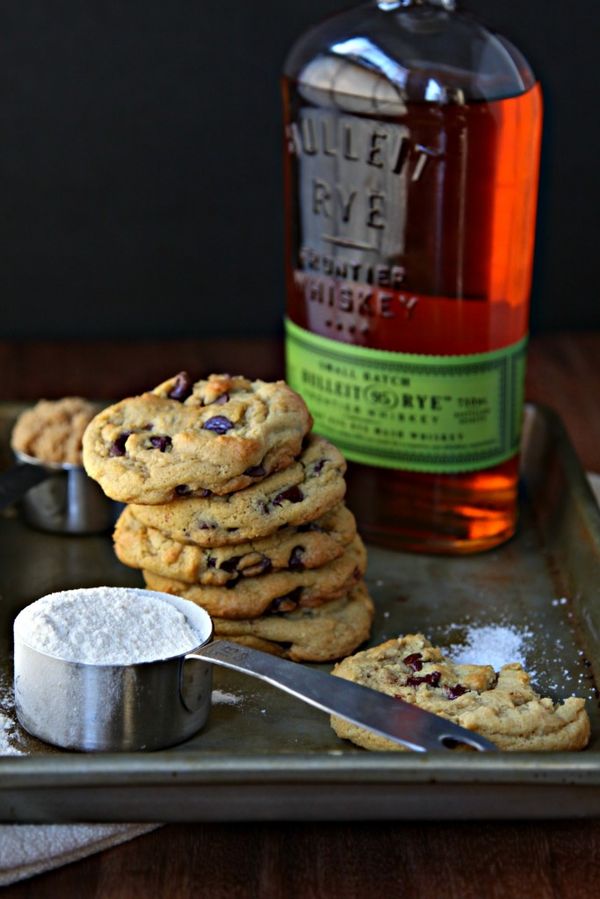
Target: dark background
(140, 174)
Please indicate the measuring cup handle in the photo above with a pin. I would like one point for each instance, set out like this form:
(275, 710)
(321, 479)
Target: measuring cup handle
(406, 724)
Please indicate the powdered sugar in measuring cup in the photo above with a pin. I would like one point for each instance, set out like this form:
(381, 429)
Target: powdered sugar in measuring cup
(106, 626)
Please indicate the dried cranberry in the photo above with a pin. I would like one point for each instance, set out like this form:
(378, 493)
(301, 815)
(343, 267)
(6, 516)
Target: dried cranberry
(211, 562)
(218, 423)
(205, 526)
(161, 443)
(183, 490)
(255, 471)
(414, 661)
(230, 564)
(117, 448)
(432, 679)
(182, 387)
(292, 495)
(220, 400)
(204, 493)
(295, 561)
(455, 691)
(318, 466)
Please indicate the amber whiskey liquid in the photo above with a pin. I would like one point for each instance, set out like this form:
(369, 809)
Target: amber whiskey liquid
(413, 233)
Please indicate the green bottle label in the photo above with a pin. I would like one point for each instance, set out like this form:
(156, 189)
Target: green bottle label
(437, 414)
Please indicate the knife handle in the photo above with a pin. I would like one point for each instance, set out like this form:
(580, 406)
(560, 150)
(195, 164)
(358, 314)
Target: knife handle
(406, 724)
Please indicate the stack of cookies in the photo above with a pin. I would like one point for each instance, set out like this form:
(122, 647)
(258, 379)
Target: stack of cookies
(235, 505)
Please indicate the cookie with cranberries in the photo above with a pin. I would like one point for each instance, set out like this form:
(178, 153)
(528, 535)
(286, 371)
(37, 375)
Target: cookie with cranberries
(297, 496)
(274, 593)
(319, 634)
(288, 549)
(213, 436)
(503, 707)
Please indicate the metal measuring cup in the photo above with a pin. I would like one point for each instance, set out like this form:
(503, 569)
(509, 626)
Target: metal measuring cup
(153, 705)
(58, 497)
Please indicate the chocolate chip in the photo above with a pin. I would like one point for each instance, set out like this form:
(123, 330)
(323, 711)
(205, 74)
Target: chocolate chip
(117, 448)
(292, 495)
(211, 562)
(414, 661)
(230, 564)
(182, 387)
(455, 691)
(231, 584)
(432, 679)
(161, 443)
(255, 471)
(295, 562)
(265, 566)
(183, 490)
(218, 423)
(311, 526)
(286, 603)
(205, 526)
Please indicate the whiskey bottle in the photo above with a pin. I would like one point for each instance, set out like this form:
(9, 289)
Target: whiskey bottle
(412, 138)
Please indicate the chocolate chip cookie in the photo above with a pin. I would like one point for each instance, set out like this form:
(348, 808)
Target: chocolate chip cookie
(296, 496)
(280, 591)
(52, 430)
(320, 634)
(291, 548)
(502, 707)
(214, 436)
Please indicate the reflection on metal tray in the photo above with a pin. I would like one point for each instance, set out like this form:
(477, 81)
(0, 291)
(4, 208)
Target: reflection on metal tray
(263, 756)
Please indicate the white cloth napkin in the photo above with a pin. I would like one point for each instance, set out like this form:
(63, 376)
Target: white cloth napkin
(28, 849)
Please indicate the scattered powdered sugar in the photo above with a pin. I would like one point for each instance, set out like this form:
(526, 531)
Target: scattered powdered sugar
(560, 666)
(492, 644)
(219, 697)
(9, 734)
(105, 625)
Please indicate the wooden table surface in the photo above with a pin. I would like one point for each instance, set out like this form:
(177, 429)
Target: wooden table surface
(314, 860)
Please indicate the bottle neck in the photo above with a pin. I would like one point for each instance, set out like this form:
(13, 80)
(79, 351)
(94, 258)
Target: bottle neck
(395, 4)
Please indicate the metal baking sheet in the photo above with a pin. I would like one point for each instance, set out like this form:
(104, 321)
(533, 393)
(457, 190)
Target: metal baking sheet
(264, 756)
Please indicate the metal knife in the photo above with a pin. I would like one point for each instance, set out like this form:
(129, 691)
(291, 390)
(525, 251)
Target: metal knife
(393, 718)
